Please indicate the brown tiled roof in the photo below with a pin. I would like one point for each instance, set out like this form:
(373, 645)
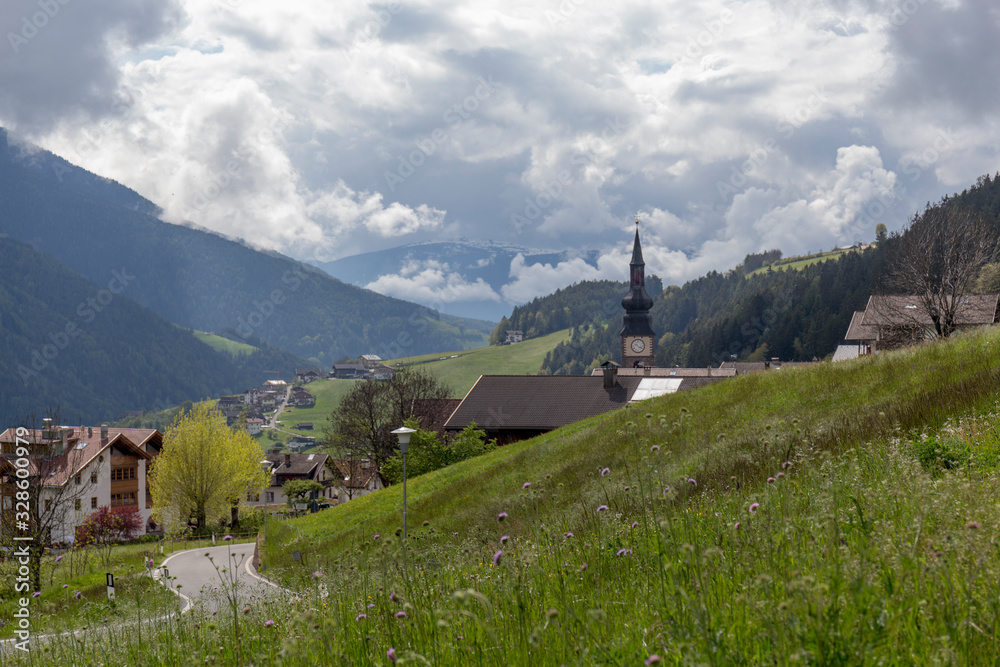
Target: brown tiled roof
(538, 402)
(858, 330)
(85, 445)
(887, 310)
(671, 372)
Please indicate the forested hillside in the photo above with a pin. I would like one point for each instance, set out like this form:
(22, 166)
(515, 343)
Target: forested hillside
(94, 353)
(200, 280)
(793, 315)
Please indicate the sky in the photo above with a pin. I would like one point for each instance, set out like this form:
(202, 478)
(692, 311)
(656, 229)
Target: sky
(327, 129)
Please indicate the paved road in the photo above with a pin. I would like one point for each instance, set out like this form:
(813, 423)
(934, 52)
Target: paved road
(199, 579)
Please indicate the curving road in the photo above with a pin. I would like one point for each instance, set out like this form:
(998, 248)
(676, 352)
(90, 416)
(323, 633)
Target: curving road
(196, 576)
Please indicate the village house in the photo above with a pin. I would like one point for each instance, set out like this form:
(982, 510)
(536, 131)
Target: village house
(288, 467)
(357, 477)
(83, 468)
(348, 371)
(370, 360)
(307, 375)
(302, 398)
(255, 426)
(514, 336)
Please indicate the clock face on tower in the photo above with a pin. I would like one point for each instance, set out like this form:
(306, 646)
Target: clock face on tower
(638, 345)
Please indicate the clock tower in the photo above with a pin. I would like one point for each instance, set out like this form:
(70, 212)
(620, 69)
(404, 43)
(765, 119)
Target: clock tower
(637, 331)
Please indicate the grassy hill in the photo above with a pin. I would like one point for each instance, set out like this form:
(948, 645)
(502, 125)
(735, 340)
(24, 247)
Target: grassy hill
(328, 394)
(802, 261)
(839, 514)
(460, 369)
(221, 344)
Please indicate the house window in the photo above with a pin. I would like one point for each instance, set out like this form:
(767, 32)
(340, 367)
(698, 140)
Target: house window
(93, 477)
(76, 504)
(121, 474)
(123, 499)
(93, 502)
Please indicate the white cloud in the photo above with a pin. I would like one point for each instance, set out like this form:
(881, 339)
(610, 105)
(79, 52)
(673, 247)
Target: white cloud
(432, 282)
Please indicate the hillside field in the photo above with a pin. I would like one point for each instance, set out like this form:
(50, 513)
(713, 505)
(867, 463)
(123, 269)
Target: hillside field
(801, 262)
(221, 344)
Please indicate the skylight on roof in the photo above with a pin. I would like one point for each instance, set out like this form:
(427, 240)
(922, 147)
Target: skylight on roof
(81, 445)
(310, 457)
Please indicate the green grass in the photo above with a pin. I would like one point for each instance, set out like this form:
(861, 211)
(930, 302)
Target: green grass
(460, 372)
(223, 344)
(328, 394)
(837, 514)
(799, 263)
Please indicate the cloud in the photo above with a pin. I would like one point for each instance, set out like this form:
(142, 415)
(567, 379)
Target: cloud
(432, 282)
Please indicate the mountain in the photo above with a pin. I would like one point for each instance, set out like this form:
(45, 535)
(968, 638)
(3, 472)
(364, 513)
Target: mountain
(460, 277)
(199, 279)
(94, 353)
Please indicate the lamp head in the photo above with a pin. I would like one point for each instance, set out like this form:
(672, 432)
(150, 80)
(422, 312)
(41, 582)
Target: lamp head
(403, 433)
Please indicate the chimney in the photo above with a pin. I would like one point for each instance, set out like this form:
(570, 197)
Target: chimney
(610, 376)
(61, 446)
(104, 433)
(47, 433)
(288, 460)
(90, 431)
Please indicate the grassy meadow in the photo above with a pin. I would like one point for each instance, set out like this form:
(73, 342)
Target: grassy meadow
(839, 514)
(222, 344)
(801, 262)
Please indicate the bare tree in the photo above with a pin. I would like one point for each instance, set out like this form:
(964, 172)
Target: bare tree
(365, 418)
(937, 262)
(41, 490)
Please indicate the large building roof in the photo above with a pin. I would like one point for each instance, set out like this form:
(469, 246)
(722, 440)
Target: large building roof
(858, 330)
(538, 402)
(887, 310)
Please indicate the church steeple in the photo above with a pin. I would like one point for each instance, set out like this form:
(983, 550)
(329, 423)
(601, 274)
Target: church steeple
(637, 332)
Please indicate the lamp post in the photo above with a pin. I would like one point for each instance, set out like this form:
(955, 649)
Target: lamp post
(403, 433)
(266, 465)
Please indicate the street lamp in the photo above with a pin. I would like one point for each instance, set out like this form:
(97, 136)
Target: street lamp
(403, 433)
(266, 465)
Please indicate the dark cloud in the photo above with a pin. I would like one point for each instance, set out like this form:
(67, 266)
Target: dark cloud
(946, 56)
(57, 60)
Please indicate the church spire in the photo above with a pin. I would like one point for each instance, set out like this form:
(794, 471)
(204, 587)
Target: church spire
(637, 335)
(637, 247)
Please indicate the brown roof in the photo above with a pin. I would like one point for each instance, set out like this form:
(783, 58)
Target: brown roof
(887, 310)
(538, 402)
(302, 466)
(84, 445)
(671, 372)
(858, 330)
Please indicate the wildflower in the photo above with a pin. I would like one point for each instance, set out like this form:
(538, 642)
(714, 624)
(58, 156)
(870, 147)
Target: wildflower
(605, 471)
(268, 623)
(624, 552)
(770, 480)
(654, 448)
(653, 660)
(583, 568)
(391, 654)
(371, 605)
(227, 538)
(737, 526)
(665, 489)
(400, 614)
(376, 537)
(526, 485)
(504, 539)
(392, 596)
(317, 574)
(753, 508)
(455, 534)
(602, 508)
(58, 558)
(780, 475)
(246, 610)
(496, 557)
(65, 585)
(76, 596)
(634, 524)
(693, 482)
(360, 616)
(567, 534)
(786, 464)
(552, 612)
(627, 488)
(36, 594)
(972, 525)
(501, 516)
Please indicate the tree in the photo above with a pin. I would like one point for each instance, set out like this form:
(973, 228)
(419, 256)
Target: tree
(205, 468)
(106, 526)
(427, 453)
(296, 490)
(938, 261)
(41, 494)
(881, 233)
(364, 420)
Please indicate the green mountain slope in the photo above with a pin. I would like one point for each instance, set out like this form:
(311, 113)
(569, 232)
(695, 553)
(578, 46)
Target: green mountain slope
(200, 280)
(91, 350)
(840, 513)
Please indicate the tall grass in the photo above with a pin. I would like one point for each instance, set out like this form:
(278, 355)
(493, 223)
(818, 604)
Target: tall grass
(788, 517)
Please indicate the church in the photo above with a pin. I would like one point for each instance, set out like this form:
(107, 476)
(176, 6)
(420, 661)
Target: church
(638, 338)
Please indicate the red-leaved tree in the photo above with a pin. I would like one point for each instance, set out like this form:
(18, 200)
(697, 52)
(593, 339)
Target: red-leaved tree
(106, 526)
